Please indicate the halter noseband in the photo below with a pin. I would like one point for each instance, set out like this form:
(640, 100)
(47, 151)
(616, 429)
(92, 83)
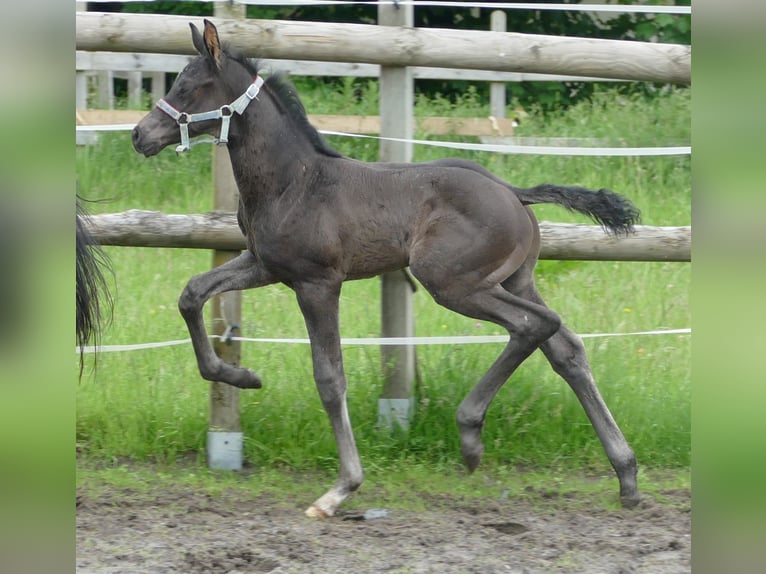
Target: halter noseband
(223, 113)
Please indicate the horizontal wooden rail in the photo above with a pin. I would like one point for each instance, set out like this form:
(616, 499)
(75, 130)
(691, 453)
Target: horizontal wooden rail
(394, 46)
(174, 63)
(337, 123)
(219, 230)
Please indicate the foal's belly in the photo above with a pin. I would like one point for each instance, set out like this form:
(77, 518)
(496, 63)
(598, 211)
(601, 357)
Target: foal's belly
(369, 254)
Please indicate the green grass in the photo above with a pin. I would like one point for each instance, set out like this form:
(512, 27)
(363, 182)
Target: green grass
(152, 405)
(415, 487)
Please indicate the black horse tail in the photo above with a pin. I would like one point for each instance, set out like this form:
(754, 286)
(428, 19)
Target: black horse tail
(94, 300)
(615, 213)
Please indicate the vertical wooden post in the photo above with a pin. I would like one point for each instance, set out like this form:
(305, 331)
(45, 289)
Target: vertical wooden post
(81, 91)
(135, 90)
(396, 120)
(105, 92)
(158, 85)
(497, 89)
(81, 80)
(224, 437)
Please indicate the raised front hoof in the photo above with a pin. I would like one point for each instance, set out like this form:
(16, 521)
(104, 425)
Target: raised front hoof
(250, 380)
(316, 513)
(239, 377)
(630, 501)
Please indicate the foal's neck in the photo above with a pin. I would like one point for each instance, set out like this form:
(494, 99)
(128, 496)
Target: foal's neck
(269, 153)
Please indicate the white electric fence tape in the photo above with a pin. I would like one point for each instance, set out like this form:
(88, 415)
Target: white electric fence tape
(352, 341)
(495, 148)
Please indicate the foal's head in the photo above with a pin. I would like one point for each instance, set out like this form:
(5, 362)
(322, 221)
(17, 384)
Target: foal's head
(210, 83)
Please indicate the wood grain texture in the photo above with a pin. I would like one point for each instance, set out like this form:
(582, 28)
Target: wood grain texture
(218, 230)
(394, 46)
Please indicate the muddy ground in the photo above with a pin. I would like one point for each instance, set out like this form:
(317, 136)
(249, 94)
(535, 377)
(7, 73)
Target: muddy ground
(183, 531)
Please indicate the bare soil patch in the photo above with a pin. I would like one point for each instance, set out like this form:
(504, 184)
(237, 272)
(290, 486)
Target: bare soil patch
(122, 531)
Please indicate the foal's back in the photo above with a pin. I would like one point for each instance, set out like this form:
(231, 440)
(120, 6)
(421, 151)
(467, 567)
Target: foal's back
(378, 216)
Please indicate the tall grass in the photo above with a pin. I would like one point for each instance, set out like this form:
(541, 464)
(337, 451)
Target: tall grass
(152, 404)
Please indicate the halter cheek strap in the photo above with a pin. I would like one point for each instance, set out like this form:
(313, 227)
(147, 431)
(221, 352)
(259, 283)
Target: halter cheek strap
(223, 113)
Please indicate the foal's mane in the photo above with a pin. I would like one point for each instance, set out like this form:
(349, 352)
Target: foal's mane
(287, 98)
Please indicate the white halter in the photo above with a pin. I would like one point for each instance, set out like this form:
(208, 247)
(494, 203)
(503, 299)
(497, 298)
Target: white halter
(224, 113)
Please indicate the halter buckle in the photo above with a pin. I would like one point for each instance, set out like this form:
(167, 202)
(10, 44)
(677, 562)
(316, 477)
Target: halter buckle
(252, 90)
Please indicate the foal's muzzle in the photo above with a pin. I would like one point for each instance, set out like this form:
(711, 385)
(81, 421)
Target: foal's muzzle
(141, 145)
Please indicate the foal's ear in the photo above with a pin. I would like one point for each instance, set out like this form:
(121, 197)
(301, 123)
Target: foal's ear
(207, 45)
(199, 43)
(212, 42)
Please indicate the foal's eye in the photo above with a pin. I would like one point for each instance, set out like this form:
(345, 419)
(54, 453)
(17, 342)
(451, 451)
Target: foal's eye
(203, 87)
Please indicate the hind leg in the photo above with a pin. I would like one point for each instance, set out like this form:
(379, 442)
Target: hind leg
(464, 256)
(566, 354)
(527, 322)
(529, 325)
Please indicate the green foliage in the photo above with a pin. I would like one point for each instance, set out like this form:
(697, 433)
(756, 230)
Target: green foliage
(181, 8)
(152, 405)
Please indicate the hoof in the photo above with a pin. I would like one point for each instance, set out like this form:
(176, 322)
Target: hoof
(239, 377)
(471, 446)
(317, 513)
(471, 463)
(253, 381)
(472, 459)
(243, 379)
(630, 501)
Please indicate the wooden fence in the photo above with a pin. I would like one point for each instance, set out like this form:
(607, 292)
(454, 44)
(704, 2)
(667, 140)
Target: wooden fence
(133, 67)
(219, 230)
(397, 48)
(136, 67)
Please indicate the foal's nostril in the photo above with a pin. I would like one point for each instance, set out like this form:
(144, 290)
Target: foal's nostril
(136, 136)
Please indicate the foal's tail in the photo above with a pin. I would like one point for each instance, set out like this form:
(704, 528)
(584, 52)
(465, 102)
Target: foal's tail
(615, 213)
(93, 296)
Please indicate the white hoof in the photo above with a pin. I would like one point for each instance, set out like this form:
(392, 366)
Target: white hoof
(316, 512)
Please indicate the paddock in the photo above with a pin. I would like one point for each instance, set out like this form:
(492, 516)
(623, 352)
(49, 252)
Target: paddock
(676, 248)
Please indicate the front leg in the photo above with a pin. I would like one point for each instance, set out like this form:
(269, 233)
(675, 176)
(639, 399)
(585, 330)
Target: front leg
(319, 303)
(243, 272)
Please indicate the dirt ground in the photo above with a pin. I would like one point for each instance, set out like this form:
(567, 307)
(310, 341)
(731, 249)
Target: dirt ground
(183, 531)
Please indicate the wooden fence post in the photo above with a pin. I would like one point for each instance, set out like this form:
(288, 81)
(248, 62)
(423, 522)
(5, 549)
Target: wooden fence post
(81, 78)
(224, 437)
(396, 120)
(135, 89)
(497, 89)
(158, 85)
